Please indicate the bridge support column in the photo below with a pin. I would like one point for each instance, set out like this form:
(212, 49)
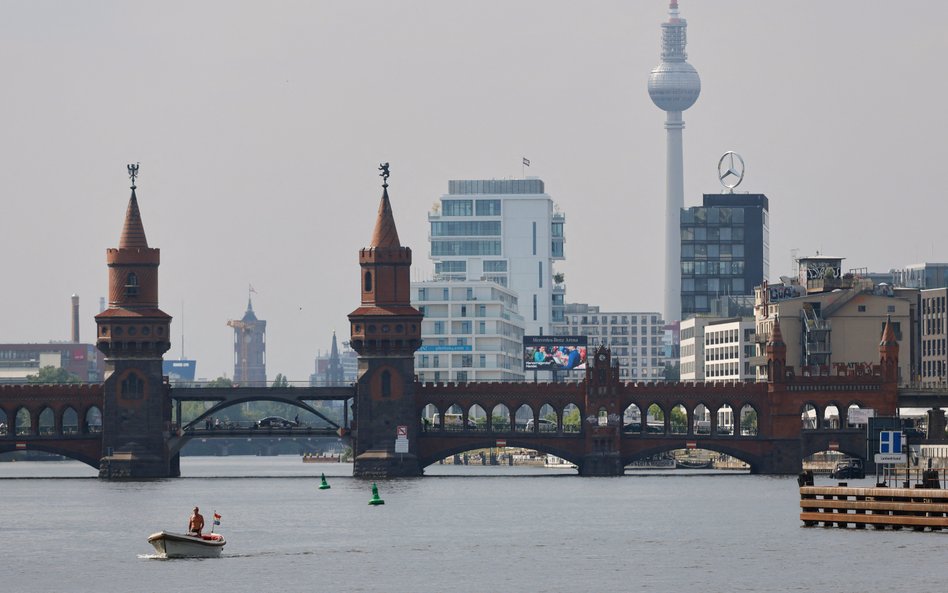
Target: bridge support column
(601, 464)
(784, 458)
(381, 464)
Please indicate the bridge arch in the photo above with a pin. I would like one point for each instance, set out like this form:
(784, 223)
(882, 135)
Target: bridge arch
(4, 423)
(572, 418)
(23, 422)
(749, 421)
(810, 416)
(656, 419)
(283, 398)
(92, 420)
(500, 420)
(46, 422)
(727, 447)
(679, 419)
(69, 421)
(523, 416)
(515, 440)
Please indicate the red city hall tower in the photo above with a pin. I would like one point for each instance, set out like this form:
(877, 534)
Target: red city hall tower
(385, 331)
(133, 334)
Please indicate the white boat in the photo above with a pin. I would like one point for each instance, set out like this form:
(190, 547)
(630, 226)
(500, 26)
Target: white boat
(182, 545)
(553, 461)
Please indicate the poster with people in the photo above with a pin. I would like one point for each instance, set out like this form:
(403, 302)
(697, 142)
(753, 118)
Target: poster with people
(554, 353)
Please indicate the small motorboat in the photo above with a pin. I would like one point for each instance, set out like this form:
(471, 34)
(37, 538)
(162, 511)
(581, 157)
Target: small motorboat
(183, 545)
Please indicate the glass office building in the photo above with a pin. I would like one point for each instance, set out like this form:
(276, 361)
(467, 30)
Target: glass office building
(725, 249)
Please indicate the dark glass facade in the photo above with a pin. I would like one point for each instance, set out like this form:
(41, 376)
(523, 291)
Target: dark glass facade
(725, 249)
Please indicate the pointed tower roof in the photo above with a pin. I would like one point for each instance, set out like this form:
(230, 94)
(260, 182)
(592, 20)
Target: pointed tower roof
(776, 336)
(888, 334)
(385, 234)
(133, 232)
(334, 353)
(249, 314)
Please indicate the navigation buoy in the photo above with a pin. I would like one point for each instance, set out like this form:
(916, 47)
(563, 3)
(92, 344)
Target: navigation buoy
(375, 496)
(323, 484)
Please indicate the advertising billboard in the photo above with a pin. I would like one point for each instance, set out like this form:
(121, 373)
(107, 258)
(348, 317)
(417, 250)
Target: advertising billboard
(554, 353)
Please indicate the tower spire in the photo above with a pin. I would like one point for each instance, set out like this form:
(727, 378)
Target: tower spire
(385, 234)
(133, 232)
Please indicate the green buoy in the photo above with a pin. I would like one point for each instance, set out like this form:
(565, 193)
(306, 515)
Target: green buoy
(323, 484)
(375, 496)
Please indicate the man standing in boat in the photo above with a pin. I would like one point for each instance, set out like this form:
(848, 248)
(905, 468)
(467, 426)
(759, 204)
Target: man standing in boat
(195, 523)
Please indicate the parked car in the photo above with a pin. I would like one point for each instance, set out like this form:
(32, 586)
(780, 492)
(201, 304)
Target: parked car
(275, 422)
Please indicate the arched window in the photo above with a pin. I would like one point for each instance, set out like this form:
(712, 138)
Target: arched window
(133, 387)
(386, 384)
(368, 282)
(131, 284)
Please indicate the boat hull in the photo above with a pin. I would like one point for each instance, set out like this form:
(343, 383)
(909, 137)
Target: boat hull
(181, 545)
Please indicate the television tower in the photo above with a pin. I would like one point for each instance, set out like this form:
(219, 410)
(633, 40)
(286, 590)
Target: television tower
(673, 86)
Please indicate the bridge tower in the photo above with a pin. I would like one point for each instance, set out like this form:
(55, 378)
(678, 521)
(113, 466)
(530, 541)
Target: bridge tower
(386, 332)
(603, 418)
(133, 334)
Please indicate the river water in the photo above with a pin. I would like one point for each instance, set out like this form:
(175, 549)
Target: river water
(461, 529)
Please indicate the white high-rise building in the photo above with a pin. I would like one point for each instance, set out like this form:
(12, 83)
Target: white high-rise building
(506, 231)
(471, 332)
(493, 244)
(718, 350)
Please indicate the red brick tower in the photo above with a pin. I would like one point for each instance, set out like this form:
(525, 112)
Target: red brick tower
(889, 354)
(603, 420)
(776, 351)
(133, 334)
(385, 331)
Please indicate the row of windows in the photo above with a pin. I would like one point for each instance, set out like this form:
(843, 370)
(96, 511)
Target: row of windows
(933, 305)
(468, 207)
(933, 368)
(725, 234)
(441, 248)
(463, 228)
(495, 265)
(934, 326)
(712, 250)
(713, 286)
(712, 215)
(933, 347)
(712, 268)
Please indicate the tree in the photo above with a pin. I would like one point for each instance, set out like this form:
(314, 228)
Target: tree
(280, 381)
(220, 382)
(51, 374)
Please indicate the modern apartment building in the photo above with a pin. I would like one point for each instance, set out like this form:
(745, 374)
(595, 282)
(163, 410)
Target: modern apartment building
(717, 349)
(725, 249)
(505, 231)
(471, 331)
(933, 333)
(637, 339)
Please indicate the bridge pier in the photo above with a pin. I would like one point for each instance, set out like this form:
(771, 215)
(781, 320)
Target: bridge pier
(607, 464)
(378, 464)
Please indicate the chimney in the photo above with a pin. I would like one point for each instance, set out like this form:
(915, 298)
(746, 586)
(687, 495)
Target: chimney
(75, 319)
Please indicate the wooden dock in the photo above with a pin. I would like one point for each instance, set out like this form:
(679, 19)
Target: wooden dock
(919, 509)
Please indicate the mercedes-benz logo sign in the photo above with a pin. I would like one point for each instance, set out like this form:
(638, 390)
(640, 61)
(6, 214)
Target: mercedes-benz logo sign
(731, 170)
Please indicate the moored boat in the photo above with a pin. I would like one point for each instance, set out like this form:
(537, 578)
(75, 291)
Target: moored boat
(182, 545)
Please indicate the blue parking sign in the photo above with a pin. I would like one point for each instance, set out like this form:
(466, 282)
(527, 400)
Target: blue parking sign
(890, 441)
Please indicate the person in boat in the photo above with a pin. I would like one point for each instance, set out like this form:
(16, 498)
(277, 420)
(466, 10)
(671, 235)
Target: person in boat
(195, 523)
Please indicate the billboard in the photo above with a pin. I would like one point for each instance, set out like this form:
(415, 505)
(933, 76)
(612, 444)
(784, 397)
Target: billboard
(554, 353)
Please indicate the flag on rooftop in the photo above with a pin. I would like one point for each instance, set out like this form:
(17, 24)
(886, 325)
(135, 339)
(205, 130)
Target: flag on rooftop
(526, 161)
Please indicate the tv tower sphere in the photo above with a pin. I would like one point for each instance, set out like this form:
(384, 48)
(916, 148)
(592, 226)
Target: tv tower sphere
(674, 84)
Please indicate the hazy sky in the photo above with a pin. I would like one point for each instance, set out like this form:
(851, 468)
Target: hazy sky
(259, 127)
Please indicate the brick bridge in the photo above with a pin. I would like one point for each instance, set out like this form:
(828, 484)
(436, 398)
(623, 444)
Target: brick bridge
(125, 426)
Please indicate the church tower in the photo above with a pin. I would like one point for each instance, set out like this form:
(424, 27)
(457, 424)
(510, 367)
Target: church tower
(133, 334)
(250, 348)
(386, 331)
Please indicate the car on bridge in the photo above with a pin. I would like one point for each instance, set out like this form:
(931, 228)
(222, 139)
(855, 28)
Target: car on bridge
(275, 422)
